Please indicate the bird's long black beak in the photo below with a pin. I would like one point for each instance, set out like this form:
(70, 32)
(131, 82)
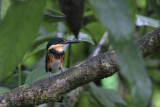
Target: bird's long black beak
(70, 41)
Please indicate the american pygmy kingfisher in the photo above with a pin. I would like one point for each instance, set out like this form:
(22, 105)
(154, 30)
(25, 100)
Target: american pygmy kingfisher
(55, 54)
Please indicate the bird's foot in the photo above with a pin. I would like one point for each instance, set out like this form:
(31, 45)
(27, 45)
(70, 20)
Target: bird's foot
(61, 69)
(50, 74)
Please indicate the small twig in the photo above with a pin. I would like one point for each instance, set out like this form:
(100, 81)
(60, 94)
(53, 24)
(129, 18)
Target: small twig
(19, 75)
(54, 16)
(102, 41)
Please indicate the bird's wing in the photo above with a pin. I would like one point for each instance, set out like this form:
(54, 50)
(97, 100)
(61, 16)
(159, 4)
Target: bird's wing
(49, 59)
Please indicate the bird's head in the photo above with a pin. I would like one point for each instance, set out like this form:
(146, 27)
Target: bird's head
(58, 43)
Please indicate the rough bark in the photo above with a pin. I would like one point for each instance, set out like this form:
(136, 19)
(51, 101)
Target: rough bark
(150, 43)
(95, 68)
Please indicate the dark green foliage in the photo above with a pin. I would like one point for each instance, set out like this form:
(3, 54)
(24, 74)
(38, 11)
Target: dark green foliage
(106, 98)
(73, 9)
(18, 29)
(120, 25)
(27, 25)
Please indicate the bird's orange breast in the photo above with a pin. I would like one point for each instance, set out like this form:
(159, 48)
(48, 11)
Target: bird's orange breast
(54, 55)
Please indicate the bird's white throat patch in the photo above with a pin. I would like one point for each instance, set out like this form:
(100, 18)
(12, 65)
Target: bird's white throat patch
(57, 47)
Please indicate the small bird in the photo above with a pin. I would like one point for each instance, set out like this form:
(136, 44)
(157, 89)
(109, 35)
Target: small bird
(55, 54)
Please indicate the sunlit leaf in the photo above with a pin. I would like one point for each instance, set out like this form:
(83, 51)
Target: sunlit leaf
(141, 3)
(82, 37)
(0, 8)
(146, 21)
(3, 90)
(111, 82)
(18, 29)
(4, 7)
(117, 18)
(89, 13)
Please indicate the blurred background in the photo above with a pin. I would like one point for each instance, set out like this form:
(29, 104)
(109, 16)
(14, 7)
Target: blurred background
(113, 91)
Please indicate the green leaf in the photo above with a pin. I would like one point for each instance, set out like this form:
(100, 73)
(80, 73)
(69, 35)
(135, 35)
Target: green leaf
(88, 13)
(82, 37)
(3, 90)
(107, 98)
(52, 17)
(146, 21)
(18, 29)
(13, 82)
(141, 3)
(34, 51)
(39, 73)
(0, 8)
(116, 17)
(4, 7)
(86, 100)
(96, 30)
(85, 37)
(41, 39)
(111, 82)
(153, 5)
(36, 73)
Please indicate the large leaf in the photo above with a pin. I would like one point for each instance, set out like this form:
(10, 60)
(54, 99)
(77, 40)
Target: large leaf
(83, 37)
(3, 90)
(34, 51)
(96, 30)
(146, 21)
(73, 9)
(36, 73)
(107, 98)
(116, 17)
(39, 73)
(41, 39)
(13, 82)
(17, 32)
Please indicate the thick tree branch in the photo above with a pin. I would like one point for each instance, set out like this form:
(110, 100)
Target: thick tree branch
(150, 43)
(74, 95)
(92, 69)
